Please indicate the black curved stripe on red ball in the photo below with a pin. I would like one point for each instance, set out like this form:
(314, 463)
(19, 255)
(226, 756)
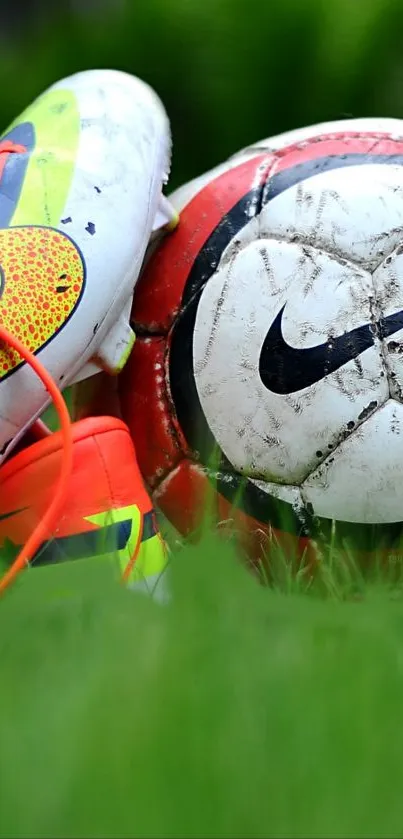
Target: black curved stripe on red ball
(255, 502)
(253, 201)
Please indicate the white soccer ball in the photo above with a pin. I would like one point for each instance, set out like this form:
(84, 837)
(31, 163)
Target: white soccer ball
(278, 306)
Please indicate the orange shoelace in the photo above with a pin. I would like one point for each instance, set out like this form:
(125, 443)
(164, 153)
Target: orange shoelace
(50, 519)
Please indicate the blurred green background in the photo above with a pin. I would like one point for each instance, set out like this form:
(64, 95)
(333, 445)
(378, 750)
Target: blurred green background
(229, 71)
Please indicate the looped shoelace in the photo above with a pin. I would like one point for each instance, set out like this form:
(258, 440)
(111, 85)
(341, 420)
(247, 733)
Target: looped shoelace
(50, 518)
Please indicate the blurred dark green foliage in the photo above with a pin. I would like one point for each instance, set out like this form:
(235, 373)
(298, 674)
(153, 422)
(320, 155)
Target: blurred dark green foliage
(229, 71)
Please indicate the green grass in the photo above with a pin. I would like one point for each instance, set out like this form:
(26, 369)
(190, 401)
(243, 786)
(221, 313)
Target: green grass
(232, 711)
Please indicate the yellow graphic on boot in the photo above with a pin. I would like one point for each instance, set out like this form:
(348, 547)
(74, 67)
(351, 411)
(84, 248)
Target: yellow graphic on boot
(42, 277)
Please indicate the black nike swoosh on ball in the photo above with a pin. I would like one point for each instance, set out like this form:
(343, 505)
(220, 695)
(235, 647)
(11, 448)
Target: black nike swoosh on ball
(284, 369)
